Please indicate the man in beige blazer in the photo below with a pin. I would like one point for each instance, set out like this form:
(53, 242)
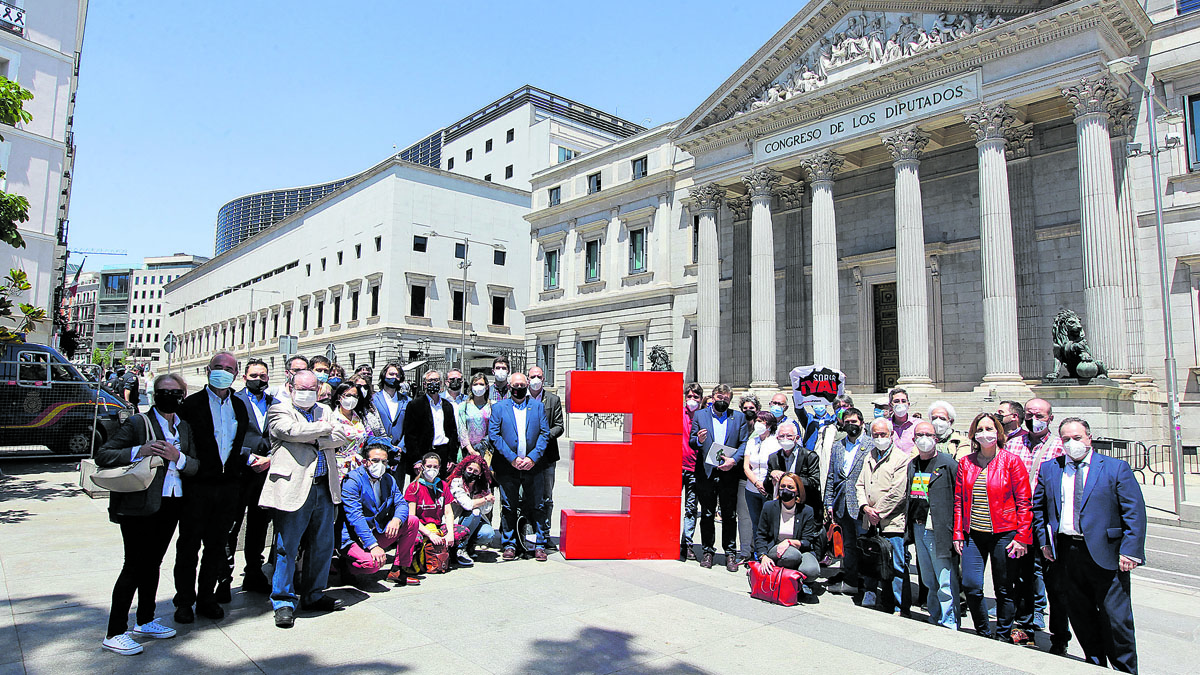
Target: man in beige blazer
(304, 489)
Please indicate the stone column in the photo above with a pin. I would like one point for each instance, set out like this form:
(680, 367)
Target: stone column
(826, 314)
(614, 264)
(991, 124)
(707, 199)
(1103, 284)
(1122, 127)
(761, 184)
(912, 295)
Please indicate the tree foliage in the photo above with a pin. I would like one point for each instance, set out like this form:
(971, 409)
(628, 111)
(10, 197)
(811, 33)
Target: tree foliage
(16, 318)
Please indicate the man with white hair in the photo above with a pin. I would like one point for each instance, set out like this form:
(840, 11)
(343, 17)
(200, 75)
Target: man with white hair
(882, 496)
(949, 441)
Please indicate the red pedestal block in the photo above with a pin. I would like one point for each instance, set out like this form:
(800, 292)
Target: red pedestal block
(648, 465)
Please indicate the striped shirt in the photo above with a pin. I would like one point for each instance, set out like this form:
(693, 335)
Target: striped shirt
(981, 511)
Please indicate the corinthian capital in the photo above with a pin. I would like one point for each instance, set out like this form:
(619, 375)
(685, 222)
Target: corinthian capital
(761, 182)
(1091, 95)
(1121, 120)
(822, 166)
(707, 197)
(739, 207)
(991, 122)
(906, 144)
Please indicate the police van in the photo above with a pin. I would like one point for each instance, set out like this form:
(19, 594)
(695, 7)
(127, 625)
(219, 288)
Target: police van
(49, 405)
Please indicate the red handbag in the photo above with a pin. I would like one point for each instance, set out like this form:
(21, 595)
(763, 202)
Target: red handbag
(781, 586)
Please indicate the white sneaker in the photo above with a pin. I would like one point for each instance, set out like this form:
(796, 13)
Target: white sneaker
(154, 629)
(122, 644)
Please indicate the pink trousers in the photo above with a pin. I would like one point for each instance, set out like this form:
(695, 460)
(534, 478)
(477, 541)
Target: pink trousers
(361, 561)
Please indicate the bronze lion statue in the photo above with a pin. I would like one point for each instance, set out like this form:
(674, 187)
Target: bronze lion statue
(1072, 353)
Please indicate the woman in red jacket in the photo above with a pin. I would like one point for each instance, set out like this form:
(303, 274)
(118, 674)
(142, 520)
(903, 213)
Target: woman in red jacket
(991, 521)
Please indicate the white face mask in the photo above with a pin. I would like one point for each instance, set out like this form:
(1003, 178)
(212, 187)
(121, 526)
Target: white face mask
(692, 404)
(986, 438)
(1038, 426)
(376, 470)
(479, 389)
(882, 444)
(759, 428)
(304, 398)
(926, 444)
(501, 374)
(535, 383)
(899, 409)
(941, 427)
(787, 443)
(1076, 450)
(430, 475)
(349, 403)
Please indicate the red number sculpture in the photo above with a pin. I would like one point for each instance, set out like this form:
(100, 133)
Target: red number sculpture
(648, 465)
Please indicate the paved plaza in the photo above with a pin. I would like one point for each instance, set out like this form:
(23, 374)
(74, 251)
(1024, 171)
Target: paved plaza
(59, 556)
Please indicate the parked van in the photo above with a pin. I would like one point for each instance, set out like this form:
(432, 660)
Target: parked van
(47, 402)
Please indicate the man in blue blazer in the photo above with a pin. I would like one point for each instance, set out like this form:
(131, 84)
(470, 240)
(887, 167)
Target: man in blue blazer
(390, 403)
(1090, 520)
(718, 484)
(518, 432)
(256, 450)
(375, 517)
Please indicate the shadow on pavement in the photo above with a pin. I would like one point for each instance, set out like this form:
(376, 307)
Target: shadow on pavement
(15, 487)
(595, 651)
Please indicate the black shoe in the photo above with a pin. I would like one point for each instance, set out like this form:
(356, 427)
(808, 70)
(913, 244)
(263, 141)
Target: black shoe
(691, 552)
(285, 617)
(256, 583)
(1058, 648)
(223, 595)
(184, 614)
(731, 563)
(325, 604)
(683, 553)
(209, 609)
(707, 561)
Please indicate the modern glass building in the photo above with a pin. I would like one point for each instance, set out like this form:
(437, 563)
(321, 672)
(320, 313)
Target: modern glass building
(246, 216)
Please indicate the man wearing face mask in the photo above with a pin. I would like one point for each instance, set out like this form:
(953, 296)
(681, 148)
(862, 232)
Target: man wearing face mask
(454, 388)
(792, 457)
(554, 419)
(883, 498)
(257, 446)
(304, 489)
(693, 394)
(499, 387)
(1012, 416)
(430, 425)
(845, 463)
(903, 424)
(930, 522)
(519, 432)
(390, 404)
(830, 431)
(219, 422)
(949, 441)
(718, 485)
(1090, 521)
(293, 365)
(375, 518)
(320, 367)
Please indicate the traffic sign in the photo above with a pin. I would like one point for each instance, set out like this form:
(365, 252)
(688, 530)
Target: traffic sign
(169, 343)
(330, 353)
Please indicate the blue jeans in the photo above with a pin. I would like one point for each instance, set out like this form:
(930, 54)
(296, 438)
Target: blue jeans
(979, 548)
(689, 507)
(754, 505)
(937, 571)
(481, 531)
(899, 574)
(314, 523)
(512, 483)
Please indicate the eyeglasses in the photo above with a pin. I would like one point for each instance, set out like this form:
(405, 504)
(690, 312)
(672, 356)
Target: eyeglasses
(168, 392)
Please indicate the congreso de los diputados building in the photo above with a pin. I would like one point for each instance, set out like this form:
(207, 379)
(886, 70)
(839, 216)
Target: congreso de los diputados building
(908, 191)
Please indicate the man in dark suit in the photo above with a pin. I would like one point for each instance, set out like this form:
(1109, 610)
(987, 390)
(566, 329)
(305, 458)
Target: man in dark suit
(554, 419)
(717, 485)
(1090, 520)
(518, 432)
(845, 464)
(390, 404)
(430, 425)
(793, 457)
(257, 451)
(210, 498)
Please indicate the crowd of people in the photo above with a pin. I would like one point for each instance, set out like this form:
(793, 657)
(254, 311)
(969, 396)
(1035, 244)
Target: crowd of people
(1060, 524)
(363, 476)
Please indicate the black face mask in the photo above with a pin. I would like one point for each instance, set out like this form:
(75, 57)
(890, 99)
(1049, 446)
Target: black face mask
(786, 494)
(471, 477)
(432, 387)
(391, 382)
(720, 406)
(852, 430)
(454, 384)
(519, 392)
(167, 402)
(256, 387)
(364, 392)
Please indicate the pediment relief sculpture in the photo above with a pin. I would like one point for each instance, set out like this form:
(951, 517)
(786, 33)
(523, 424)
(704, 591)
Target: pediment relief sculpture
(865, 41)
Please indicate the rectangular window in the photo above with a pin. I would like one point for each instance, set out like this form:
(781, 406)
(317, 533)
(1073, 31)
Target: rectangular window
(358, 250)
(320, 313)
(303, 317)
(695, 239)
(565, 154)
(378, 244)
(460, 250)
(1192, 113)
(545, 361)
(555, 195)
(450, 164)
(339, 257)
(487, 146)
(275, 325)
(416, 305)
(488, 177)
(508, 171)
(354, 305)
(456, 312)
(470, 154)
(419, 243)
(550, 281)
(322, 264)
(498, 310)
(634, 345)
(371, 357)
(591, 260)
(374, 301)
(337, 309)
(287, 322)
(637, 250)
(594, 183)
(510, 136)
(639, 168)
(498, 257)
(307, 270)
(585, 358)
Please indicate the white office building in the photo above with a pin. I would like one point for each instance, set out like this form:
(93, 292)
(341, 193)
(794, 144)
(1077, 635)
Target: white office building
(146, 306)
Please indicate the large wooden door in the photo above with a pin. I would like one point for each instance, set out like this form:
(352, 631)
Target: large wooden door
(887, 337)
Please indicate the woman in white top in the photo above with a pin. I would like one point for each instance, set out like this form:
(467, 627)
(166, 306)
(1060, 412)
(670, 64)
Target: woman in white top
(759, 448)
(147, 518)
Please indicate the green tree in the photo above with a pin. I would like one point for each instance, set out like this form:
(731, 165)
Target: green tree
(14, 209)
(107, 356)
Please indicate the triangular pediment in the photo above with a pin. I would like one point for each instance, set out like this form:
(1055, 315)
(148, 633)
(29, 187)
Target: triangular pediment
(833, 41)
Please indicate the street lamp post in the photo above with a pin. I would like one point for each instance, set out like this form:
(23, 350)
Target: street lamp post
(1125, 66)
(463, 265)
(250, 343)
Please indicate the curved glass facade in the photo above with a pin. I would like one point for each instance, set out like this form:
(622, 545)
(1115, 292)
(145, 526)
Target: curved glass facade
(246, 216)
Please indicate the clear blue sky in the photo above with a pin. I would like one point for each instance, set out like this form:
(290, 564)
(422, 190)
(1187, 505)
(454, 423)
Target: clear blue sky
(184, 106)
